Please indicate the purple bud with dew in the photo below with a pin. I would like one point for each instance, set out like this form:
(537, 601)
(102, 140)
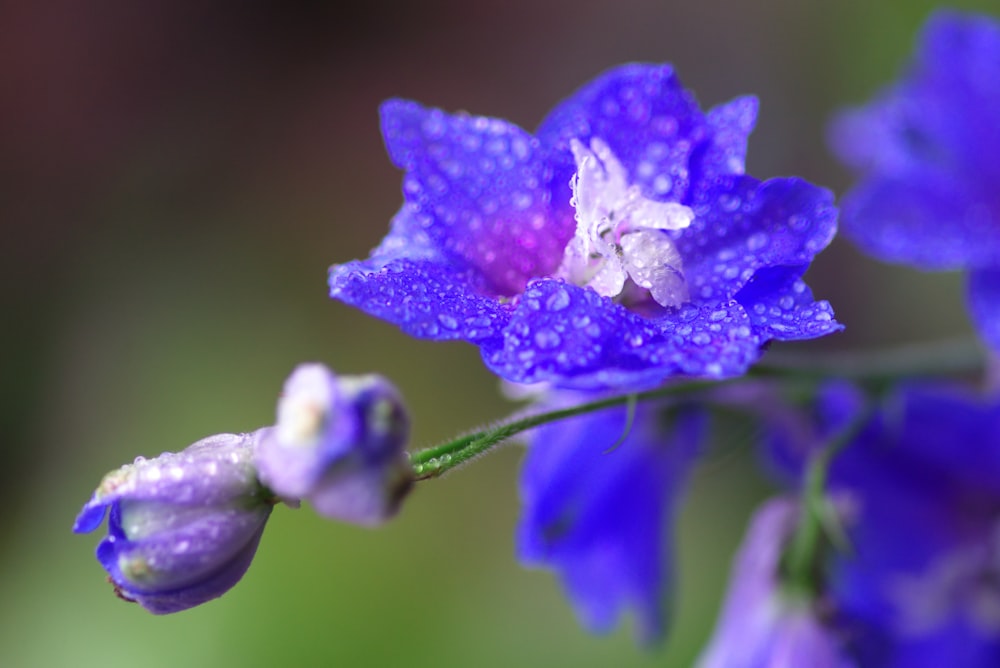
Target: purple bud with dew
(183, 526)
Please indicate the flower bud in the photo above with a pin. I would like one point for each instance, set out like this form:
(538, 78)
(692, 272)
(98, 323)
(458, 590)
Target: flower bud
(339, 443)
(183, 526)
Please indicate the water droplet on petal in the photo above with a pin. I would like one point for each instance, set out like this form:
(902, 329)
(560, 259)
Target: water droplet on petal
(558, 300)
(447, 321)
(756, 241)
(547, 339)
(729, 202)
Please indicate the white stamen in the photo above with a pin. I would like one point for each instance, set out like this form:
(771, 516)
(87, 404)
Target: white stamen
(619, 232)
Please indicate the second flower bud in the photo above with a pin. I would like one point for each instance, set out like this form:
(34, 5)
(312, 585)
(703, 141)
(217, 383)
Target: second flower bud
(339, 443)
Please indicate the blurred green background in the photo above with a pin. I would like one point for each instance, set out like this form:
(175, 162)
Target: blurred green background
(176, 177)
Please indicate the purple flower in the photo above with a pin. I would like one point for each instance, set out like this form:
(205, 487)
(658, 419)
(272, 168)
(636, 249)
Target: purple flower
(621, 244)
(339, 443)
(923, 585)
(761, 625)
(184, 526)
(926, 149)
(597, 517)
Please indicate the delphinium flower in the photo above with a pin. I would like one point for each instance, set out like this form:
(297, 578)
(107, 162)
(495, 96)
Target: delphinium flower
(765, 623)
(339, 443)
(926, 149)
(595, 510)
(621, 244)
(183, 526)
(923, 582)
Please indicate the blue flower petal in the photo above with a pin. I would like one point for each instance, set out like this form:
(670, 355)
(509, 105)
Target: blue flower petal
(928, 220)
(781, 306)
(211, 586)
(573, 335)
(650, 121)
(212, 470)
(598, 517)
(428, 299)
(731, 124)
(200, 544)
(91, 516)
(743, 225)
(481, 184)
(984, 304)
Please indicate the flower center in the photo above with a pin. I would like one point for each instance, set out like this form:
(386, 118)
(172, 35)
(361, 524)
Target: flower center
(620, 234)
(302, 415)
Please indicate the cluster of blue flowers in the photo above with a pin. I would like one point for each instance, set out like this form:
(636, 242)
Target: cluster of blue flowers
(618, 250)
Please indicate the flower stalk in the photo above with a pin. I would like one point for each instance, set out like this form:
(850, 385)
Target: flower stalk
(875, 368)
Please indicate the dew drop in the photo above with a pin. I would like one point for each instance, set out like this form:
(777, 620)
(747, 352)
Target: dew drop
(433, 125)
(729, 202)
(558, 300)
(452, 168)
(662, 184)
(756, 241)
(688, 312)
(437, 184)
(447, 321)
(701, 339)
(546, 339)
(797, 222)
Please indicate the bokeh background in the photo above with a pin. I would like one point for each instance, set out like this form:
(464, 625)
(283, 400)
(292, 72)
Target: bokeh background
(175, 178)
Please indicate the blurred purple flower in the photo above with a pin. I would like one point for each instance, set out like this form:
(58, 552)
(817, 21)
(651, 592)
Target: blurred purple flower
(598, 517)
(924, 584)
(926, 149)
(763, 626)
(339, 442)
(184, 526)
(620, 245)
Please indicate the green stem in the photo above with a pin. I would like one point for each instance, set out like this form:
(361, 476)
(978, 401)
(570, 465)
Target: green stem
(872, 368)
(802, 557)
(435, 461)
